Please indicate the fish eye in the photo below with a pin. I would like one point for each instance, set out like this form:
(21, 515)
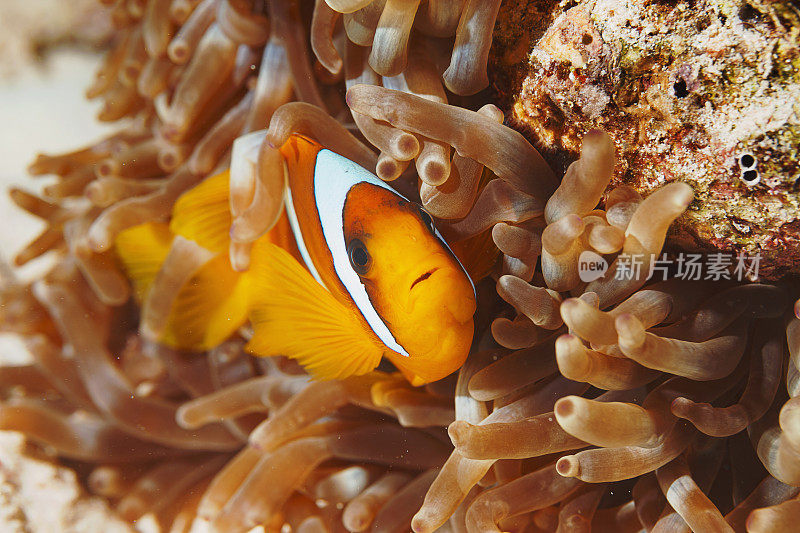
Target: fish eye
(427, 219)
(359, 256)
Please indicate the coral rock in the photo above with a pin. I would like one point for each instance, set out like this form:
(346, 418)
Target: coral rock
(703, 92)
(37, 495)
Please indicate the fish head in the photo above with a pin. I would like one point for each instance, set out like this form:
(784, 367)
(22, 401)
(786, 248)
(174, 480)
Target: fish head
(417, 286)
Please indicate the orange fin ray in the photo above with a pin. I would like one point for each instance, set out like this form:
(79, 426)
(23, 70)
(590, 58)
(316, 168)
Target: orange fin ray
(142, 250)
(209, 308)
(293, 315)
(203, 215)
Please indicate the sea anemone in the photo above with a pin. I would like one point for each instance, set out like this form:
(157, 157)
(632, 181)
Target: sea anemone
(618, 403)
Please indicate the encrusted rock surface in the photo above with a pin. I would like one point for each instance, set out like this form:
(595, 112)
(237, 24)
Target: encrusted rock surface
(38, 496)
(706, 92)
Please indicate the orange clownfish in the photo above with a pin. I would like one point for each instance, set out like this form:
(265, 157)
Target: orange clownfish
(378, 279)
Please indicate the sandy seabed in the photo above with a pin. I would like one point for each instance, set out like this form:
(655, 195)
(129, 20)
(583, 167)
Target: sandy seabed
(43, 110)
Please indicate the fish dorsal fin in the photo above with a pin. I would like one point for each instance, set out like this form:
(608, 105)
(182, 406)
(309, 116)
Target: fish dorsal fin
(203, 215)
(142, 250)
(295, 316)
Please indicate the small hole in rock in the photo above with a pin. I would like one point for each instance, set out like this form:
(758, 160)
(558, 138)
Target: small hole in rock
(680, 89)
(748, 13)
(750, 177)
(586, 39)
(747, 161)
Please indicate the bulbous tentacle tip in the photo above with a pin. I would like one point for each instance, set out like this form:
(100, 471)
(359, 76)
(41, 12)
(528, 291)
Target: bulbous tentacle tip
(568, 466)
(679, 406)
(457, 431)
(564, 407)
(682, 193)
(569, 306)
(596, 140)
(630, 331)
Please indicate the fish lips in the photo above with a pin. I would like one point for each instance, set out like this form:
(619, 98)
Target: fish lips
(461, 308)
(423, 277)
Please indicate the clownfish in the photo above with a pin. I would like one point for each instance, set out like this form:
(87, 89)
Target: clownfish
(352, 272)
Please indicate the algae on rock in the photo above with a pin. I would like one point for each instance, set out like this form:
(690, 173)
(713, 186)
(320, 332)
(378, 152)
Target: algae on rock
(689, 91)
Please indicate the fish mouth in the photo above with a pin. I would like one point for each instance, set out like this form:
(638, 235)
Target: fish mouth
(424, 276)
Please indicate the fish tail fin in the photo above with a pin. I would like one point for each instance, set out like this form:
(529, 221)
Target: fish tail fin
(203, 215)
(142, 250)
(212, 304)
(209, 308)
(295, 316)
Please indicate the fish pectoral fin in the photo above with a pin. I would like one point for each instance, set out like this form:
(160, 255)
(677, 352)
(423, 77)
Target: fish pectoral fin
(142, 250)
(202, 214)
(295, 316)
